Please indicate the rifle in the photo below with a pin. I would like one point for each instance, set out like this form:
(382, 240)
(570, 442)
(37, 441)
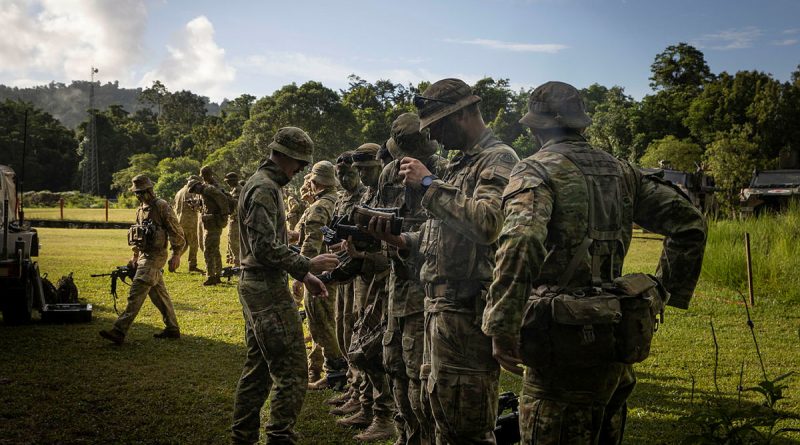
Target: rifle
(233, 271)
(506, 430)
(119, 273)
(363, 214)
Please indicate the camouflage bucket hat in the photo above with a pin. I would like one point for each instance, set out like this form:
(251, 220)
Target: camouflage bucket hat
(193, 181)
(365, 155)
(231, 176)
(443, 98)
(293, 142)
(323, 173)
(556, 105)
(141, 183)
(408, 140)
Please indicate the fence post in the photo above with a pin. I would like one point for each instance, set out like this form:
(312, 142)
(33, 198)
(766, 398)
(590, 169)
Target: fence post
(61, 207)
(749, 269)
(106, 209)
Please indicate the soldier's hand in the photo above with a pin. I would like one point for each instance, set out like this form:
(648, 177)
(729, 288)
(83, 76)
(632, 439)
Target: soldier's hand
(297, 289)
(174, 262)
(294, 236)
(412, 171)
(351, 249)
(315, 286)
(132, 262)
(506, 351)
(381, 228)
(325, 262)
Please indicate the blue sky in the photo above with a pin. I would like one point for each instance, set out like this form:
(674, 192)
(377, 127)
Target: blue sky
(222, 49)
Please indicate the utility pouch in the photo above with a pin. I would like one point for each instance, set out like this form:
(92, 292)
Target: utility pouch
(642, 302)
(147, 236)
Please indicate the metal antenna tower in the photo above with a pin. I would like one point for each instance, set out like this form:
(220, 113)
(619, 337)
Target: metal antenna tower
(90, 181)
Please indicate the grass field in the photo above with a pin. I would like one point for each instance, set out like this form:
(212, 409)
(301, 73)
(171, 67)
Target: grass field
(64, 384)
(73, 214)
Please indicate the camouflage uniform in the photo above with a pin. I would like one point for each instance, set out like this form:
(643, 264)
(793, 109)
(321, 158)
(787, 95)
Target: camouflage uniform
(549, 208)
(214, 216)
(233, 222)
(296, 209)
(149, 280)
(188, 220)
(405, 332)
(320, 311)
(273, 330)
(457, 248)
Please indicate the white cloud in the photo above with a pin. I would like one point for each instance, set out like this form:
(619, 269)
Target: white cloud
(729, 39)
(791, 31)
(550, 48)
(195, 62)
(63, 38)
(785, 42)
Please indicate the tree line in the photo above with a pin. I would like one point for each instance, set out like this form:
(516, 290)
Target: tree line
(726, 124)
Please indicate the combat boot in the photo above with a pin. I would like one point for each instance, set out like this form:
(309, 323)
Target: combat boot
(113, 335)
(350, 407)
(168, 333)
(361, 419)
(340, 399)
(211, 281)
(321, 383)
(196, 269)
(381, 428)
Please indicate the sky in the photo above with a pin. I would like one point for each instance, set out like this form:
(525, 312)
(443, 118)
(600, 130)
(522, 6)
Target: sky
(222, 49)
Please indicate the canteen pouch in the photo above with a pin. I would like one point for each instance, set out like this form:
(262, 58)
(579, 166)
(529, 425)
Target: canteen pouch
(641, 301)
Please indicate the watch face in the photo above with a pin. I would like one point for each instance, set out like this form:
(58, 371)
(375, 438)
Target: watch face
(426, 181)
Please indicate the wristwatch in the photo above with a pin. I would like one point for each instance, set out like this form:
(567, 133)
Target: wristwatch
(427, 181)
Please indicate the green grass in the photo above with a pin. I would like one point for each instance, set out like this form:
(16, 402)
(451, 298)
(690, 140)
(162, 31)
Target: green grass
(76, 214)
(64, 384)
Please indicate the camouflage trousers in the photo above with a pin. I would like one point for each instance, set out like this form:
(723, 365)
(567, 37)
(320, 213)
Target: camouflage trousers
(190, 233)
(233, 242)
(275, 363)
(403, 345)
(580, 406)
(320, 314)
(461, 378)
(148, 281)
(211, 238)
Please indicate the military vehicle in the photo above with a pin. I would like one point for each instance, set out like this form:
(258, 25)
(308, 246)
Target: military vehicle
(698, 187)
(770, 190)
(21, 286)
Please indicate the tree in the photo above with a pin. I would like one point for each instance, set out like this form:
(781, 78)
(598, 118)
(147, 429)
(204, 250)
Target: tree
(612, 122)
(173, 174)
(731, 159)
(139, 164)
(679, 154)
(679, 66)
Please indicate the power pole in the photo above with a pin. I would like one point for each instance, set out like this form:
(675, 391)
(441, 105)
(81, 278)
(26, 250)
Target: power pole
(90, 181)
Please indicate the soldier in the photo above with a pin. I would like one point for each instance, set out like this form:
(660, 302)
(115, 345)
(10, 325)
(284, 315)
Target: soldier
(320, 313)
(569, 212)
(273, 331)
(214, 215)
(232, 180)
(207, 174)
(457, 248)
(155, 224)
(377, 407)
(186, 206)
(404, 338)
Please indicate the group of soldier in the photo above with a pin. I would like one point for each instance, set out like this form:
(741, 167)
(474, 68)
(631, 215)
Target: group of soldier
(420, 320)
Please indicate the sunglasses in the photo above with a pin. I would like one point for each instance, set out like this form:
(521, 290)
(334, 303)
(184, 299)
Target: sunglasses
(421, 101)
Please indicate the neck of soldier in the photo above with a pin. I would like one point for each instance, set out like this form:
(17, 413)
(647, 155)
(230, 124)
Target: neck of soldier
(472, 128)
(545, 135)
(148, 198)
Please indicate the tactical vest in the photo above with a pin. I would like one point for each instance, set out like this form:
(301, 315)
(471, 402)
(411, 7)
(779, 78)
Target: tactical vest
(149, 233)
(583, 312)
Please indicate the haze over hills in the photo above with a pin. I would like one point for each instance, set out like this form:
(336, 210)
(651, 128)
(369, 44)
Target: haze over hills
(70, 103)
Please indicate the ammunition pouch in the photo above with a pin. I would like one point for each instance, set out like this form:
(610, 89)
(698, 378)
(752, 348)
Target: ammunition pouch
(590, 327)
(214, 221)
(147, 236)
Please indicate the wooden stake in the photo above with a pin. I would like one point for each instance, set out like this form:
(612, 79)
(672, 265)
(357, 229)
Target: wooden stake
(749, 268)
(107, 211)
(61, 206)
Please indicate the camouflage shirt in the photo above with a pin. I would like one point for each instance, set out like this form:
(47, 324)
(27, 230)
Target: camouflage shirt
(262, 229)
(346, 200)
(215, 200)
(457, 243)
(318, 214)
(234, 193)
(547, 210)
(186, 214)
(406, 295)
(166, 220)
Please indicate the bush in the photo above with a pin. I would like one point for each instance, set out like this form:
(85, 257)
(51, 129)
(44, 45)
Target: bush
(74, 199)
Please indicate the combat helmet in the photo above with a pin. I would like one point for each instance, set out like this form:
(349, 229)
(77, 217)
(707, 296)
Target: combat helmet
(408, 140)
(365, 155)
(141, 183)
(443, 98)
(556, 105)
(323, 173)
(293, 142)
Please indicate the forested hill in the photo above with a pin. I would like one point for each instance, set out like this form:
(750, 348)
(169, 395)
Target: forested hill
(69, 103)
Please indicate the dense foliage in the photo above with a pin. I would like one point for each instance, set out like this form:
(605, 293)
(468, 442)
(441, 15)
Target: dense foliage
(726, 124)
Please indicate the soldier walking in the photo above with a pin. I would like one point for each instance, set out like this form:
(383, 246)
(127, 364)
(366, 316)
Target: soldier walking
(569, 211)
(457, 249)
(276, 360)
(155, 224)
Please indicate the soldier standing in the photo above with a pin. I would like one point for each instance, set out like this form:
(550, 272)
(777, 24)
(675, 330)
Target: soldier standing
(155, 224)
(232, 180)
(273, 330)
(457, 248)
(320, 313)
(186, 206)
(404, 338)
(214, 215)
(569, 212)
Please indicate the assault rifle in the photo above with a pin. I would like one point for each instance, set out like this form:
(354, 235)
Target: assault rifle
(506, 430)
(234, 271)
(119, 273)
(363, 214)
